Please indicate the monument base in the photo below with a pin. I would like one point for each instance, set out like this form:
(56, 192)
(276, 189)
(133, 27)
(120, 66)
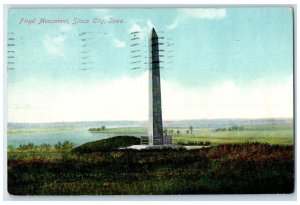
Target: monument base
(166, 141)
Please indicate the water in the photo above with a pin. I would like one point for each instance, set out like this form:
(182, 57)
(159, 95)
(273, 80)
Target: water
(77, 136)
(77, 132)
(50, 133)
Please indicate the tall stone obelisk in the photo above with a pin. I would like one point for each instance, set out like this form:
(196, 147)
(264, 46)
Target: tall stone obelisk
(155, 130)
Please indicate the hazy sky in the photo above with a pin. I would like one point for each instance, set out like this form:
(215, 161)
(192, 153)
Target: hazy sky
(228, 63)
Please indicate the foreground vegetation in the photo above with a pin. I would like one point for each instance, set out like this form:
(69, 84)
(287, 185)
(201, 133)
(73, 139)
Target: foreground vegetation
(248, 168)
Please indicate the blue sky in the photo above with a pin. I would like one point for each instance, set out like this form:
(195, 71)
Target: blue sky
(236, 49)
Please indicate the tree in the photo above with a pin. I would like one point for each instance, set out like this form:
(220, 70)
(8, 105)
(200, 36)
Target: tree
(103, 127)
(191, 129)
(178, 131)
(165, 131)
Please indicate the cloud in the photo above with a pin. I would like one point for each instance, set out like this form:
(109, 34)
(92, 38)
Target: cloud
(135, 27)
(123, 98)
(143, 30)
(173, 25)
(126, 98)
(149, 25)
(229, 100)
(119, 44)
(54, 45)
(197, 13)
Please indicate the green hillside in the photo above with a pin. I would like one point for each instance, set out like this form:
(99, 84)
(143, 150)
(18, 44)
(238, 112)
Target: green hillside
(107, 144)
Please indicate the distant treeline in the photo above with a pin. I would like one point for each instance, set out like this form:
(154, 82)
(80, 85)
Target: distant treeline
(233, 128)
(97, 129)
(59, 146)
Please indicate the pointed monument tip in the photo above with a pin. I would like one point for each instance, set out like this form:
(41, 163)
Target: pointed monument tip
(154, 34)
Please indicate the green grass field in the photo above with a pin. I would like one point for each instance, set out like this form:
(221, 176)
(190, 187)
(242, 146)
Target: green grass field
(261, 133)
(278, 136)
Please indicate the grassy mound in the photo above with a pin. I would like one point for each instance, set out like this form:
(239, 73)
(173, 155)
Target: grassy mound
(107, 144)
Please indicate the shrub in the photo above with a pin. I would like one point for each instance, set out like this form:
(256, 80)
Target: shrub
(45, 146)
(207, 143)
(10, 147)
(64, 146)
(29, 146)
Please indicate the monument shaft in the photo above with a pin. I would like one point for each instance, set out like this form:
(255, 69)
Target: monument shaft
(155, 113)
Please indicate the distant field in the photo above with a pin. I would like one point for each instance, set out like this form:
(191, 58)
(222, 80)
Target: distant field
(23, 131)
(273, 134)
(259, 133)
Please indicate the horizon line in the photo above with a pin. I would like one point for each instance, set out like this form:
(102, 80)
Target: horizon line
(168, 120)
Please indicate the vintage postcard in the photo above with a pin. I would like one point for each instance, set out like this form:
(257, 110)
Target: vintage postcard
(150, 101)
